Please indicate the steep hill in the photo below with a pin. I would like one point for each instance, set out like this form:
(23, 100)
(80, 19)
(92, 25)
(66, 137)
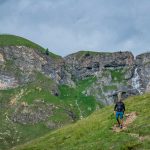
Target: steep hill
(13, 40)
(95, 132)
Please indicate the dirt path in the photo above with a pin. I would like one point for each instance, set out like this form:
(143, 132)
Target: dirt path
(129, 118)
(140, 138)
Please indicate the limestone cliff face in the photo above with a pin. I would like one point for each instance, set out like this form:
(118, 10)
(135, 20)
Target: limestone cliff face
(84, 64)
(19, 63)
(113, 72)
(143, 69)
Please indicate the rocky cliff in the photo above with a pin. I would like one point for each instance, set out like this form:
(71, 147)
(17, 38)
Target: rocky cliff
(19, 63)
(143, 69)
(114, 72)
(83, 64)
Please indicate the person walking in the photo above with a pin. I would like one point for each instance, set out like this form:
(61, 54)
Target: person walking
(119, 111)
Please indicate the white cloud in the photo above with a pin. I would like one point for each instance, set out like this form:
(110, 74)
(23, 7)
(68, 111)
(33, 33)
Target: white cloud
(66, 26)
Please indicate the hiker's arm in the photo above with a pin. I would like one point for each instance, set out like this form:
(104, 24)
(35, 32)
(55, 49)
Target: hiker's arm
(124, 107)
(115, 109)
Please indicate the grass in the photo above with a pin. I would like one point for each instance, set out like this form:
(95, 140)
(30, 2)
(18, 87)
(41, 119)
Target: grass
(109, 88)
(40, 89)
(82, 53)
(94, 132)
(75, 96)
(117, 75)
(13, 133)
(13, 40)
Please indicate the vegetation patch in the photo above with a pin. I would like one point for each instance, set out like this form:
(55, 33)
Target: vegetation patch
(117, 75)
(21, 104)
(12, 40)
(86, 53)
(76, 99)
(109, 88)
(95, 132)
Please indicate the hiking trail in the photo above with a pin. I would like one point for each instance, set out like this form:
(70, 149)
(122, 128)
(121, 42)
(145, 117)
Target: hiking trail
(129, 118)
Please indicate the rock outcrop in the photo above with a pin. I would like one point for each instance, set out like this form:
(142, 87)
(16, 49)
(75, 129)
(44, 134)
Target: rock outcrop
(18, 64)
(84, 64)
(114, 72)
(143, 70)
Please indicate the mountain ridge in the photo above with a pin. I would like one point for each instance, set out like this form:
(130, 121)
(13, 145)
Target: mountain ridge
(5, 40)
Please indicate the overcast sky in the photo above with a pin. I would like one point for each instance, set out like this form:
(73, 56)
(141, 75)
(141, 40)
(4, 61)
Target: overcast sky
(67, 26)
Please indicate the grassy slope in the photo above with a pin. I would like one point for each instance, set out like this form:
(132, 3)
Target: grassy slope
(12, 40)
(95, 131)
(75, 96)
(41, 89)
(31, 92)
(83, 53)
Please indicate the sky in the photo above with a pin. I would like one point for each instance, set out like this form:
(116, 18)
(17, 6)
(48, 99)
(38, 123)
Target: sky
(68, 26)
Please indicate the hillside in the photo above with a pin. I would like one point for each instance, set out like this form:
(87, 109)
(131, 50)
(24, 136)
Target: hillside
(13, 40)
(95, 132)
(32, 110)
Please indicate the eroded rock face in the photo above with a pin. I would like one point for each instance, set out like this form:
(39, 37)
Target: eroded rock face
(114, 72)
(82, 65)
(1, 58)
(26, 59)
(21, 62)
(7, 82)
(143, 69)
(148, 88)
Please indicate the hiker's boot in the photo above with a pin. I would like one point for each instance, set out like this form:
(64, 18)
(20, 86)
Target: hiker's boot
(120, 126)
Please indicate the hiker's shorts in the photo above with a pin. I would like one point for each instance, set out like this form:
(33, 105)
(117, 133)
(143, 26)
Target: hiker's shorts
(119, 115)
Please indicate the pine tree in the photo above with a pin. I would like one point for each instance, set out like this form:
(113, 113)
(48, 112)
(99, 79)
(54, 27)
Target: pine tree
(47, 52)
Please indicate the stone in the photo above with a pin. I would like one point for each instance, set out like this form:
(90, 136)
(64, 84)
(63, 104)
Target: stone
(1, 58)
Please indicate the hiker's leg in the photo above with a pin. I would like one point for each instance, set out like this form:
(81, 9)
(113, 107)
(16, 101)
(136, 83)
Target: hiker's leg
(121, 119)
(117, 117)
(118, 120)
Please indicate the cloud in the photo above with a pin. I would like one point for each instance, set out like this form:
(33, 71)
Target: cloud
(66, 26)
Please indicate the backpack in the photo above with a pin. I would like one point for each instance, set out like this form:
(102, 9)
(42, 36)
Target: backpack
(120, 106)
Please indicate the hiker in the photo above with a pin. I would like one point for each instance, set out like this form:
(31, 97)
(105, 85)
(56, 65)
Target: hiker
(119, 111)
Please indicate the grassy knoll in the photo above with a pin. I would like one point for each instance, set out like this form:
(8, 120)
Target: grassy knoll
(95, 132)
